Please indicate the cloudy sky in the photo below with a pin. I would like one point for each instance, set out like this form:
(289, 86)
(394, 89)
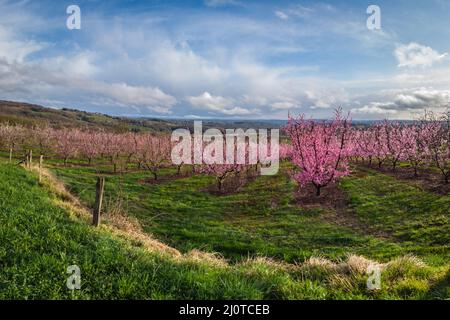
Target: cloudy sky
(228, 58)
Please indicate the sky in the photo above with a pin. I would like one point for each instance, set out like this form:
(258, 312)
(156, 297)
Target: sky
(228, 58)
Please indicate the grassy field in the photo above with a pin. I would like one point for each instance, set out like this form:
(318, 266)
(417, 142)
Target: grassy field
(272, 247)
(263, 217)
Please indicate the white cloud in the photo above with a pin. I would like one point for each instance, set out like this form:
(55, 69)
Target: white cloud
(408, 102)
(206, 100)
(331, 97)
(375, 108)
(178, 66)
(303, 11)
(281, 15)
(286, 105)
(217, 104)
(152, 98)
(414, 55)
(423, 98)
(80, 64)
(63, 76)
(15, 50)
(237, 111)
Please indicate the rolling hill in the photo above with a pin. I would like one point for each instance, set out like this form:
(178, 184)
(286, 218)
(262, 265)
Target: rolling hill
(32, 114)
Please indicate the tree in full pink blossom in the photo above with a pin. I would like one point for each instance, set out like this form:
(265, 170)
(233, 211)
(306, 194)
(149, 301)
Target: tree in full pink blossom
(437, 140)
(319, 149)
(66, 143)
(153, 151)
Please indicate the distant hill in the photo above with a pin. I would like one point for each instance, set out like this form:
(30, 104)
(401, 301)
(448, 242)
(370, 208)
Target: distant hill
(31, 114)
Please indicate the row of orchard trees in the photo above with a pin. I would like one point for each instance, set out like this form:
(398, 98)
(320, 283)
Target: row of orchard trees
(424, 143)
(146, 150)
(322, 150)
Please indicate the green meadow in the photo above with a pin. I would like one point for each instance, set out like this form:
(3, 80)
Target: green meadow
(259, 242)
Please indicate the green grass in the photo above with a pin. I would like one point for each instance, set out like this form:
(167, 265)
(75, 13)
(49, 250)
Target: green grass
(417, 219)
(261, 219)
(39, 240)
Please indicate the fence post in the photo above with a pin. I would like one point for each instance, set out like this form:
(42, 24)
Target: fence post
(30, 159)
(98, 200)
(41, 160)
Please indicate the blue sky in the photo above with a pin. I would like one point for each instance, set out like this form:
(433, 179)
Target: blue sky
(228, 58)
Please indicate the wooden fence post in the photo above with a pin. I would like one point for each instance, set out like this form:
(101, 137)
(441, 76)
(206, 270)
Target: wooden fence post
(98, 200)
(41, 160)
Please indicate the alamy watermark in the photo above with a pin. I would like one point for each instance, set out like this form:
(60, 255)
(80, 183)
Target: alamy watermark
(73, 21)
(374, 20)
(74, 280)
(235, 147)
(374, 279)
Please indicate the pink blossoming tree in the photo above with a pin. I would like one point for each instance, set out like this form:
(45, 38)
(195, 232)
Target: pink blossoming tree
(319, 149)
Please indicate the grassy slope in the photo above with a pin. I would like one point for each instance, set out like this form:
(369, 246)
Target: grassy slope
(39, 240)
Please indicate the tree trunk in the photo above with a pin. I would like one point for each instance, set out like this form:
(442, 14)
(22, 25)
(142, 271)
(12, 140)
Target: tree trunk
(179, 169)
(127, 164)
(155, 175)
(10, 154)
(318, 190)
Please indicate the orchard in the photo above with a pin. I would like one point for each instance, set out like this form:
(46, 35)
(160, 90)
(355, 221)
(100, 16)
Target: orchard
(321, 152)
